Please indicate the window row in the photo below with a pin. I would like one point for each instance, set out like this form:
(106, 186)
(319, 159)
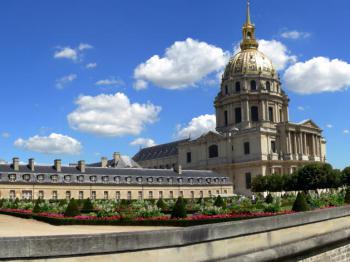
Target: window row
(252, 86)
(254, 115)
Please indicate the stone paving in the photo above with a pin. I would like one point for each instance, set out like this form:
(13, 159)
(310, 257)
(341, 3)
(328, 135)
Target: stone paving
(14, 227)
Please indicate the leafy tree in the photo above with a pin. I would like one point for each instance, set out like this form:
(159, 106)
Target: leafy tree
(269, 199)
(346, 176)
(179, 210)
(161, 204)
(313, 176)
(219, 202)
(347, 196)
(334, 179)
(274, 183)
(72, 209)
(290, 182)
(37, 208)
(87, 205)
(259, 184)
(300, 203)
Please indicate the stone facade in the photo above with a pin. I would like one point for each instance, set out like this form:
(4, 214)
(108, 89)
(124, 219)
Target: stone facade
(254, 135)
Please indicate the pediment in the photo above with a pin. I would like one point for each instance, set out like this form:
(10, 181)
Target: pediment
(309, 123)
(210, 136)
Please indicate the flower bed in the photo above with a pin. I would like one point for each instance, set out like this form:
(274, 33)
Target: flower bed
(59, 219)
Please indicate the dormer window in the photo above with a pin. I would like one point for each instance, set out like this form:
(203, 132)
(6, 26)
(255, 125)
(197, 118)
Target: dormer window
(170, 180)
(160, 179)
(139, 179)
(54, 178)
(128, 180)
(117, 179)
(105, 179)
(208, 180)
(40, 177)
(80, 179)
(12, 177)
(93, 178)
(150, 179)
(26, 177)
(67, 178)
(180, 180)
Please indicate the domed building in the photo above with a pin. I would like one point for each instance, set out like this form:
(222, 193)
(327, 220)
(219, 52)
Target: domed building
(253, 135)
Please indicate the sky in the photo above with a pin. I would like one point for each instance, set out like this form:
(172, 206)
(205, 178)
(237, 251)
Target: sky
(82, 79)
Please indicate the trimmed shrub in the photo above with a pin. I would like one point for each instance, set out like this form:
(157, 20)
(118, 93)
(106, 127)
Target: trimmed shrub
(87, 206)
(72, 209)
(269, 199)
(179, 210)
(300, 203)
(37, 208)
(347, 196)
(161, 204)
(219, 202)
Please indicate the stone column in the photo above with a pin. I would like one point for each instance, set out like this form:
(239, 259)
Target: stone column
(262, 111)
(289, 142)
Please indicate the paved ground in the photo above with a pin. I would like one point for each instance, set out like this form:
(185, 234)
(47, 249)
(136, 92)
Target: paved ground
(13, 226)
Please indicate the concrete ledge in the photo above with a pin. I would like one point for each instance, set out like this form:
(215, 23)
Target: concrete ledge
(266, 230)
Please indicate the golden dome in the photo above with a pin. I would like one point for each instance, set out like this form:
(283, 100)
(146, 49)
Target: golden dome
(249, 61)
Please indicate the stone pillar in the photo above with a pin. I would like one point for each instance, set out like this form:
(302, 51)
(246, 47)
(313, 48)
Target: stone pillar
(262, 111)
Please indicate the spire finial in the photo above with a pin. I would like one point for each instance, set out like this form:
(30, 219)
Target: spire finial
(248, 22)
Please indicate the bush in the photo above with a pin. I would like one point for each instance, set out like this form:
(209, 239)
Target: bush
(161, 204)
(300, 204)
(72, 209)
(37, 208)
(269, 199)
(179, 210)
(87, 206)
(259, 184)
(347, 195)
(219, 202)
(272, 208)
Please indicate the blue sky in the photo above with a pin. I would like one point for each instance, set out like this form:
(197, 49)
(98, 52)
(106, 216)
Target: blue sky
(76, 73)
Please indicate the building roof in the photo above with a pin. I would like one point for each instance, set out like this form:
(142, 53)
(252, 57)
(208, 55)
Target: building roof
(123, 162)
(159, 151)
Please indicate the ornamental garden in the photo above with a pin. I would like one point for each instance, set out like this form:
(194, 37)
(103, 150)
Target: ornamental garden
(314, 186)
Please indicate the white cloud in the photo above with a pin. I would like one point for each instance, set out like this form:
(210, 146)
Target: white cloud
(52, 144)
(112, 115)
(294, 34)
(301, 108)
(144, 142)
(5, 135)
(112, 81)
(329, 126)
(277, 52)
(346, 131)
(91, 65)
(65, 80)
(71, 53)
(197, 126)
(183, 65)
(317, 75)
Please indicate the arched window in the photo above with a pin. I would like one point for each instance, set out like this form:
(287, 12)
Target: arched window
(226, 118)
(238, 115)
(254, 113)
(226, 90)
(213, 151)
(253, 85)
(268, 86)
(238, 87)
(249, 35)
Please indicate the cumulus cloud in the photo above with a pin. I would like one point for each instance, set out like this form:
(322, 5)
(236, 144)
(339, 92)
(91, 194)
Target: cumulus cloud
(277, 52)
(71, 53)
(301, 108)
(317, 75)
(112, 81)
(91, 65)
(329, 126)
(197, 126)
(62, 82)
(112, 115)
(294, 34)
(52, 144)
(346, 131)
(183, 65)
(144, 142)
(5, 134)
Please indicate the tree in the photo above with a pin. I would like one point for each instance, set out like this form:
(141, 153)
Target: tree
(72, 209)
(179, 210)
(334, 179)
(274, 183)
(313, 176)
(87, 206)
(219, 202)
(346, 174)
(290, 182)
(161, 204)
(269, 199)
(259, 184)
(300, 204)
(347, 196)
(37, 208)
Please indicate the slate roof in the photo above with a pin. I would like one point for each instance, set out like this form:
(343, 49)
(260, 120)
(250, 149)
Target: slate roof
(98, 175)
(122, 163)
(159, 151)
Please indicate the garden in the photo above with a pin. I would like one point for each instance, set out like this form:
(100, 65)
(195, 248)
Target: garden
(314, 186)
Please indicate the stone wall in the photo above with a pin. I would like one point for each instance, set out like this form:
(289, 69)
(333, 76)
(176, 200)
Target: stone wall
(264, 239)
(338, 253)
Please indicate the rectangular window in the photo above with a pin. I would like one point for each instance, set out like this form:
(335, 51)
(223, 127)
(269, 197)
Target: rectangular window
(192, 194)
(41, 194)
(117, 195)
(189, 157)
(225, 192)
(12, 194)
(209, 193)
(129, 195)
(27, 194)
(105, 195)
(238, 115)
(181, 194)
(271, 118)
(248, 180)
(81, 195)
(54, 195)
(150, 195)
(93, 195)
(140, 195)
(254, 113)
(226, 118)
(246, 148)
(218, 192)
(160, 194)
(273, 147)
(171, 194)
(68, 195)
(201, 194)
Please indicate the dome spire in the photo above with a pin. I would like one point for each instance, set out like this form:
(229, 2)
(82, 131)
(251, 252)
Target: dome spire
(249, 41)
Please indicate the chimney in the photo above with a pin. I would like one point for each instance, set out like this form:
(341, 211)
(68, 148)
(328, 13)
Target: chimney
(81, 166)
(104, 162)
(178, 169)
(31, 164)
(58, 165)
(116, 158)
(15, 163)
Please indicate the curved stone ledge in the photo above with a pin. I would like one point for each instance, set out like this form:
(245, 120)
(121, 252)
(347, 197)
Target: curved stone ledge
(267, 238)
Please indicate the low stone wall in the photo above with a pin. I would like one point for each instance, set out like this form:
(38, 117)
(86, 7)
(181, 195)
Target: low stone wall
(264, 239)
